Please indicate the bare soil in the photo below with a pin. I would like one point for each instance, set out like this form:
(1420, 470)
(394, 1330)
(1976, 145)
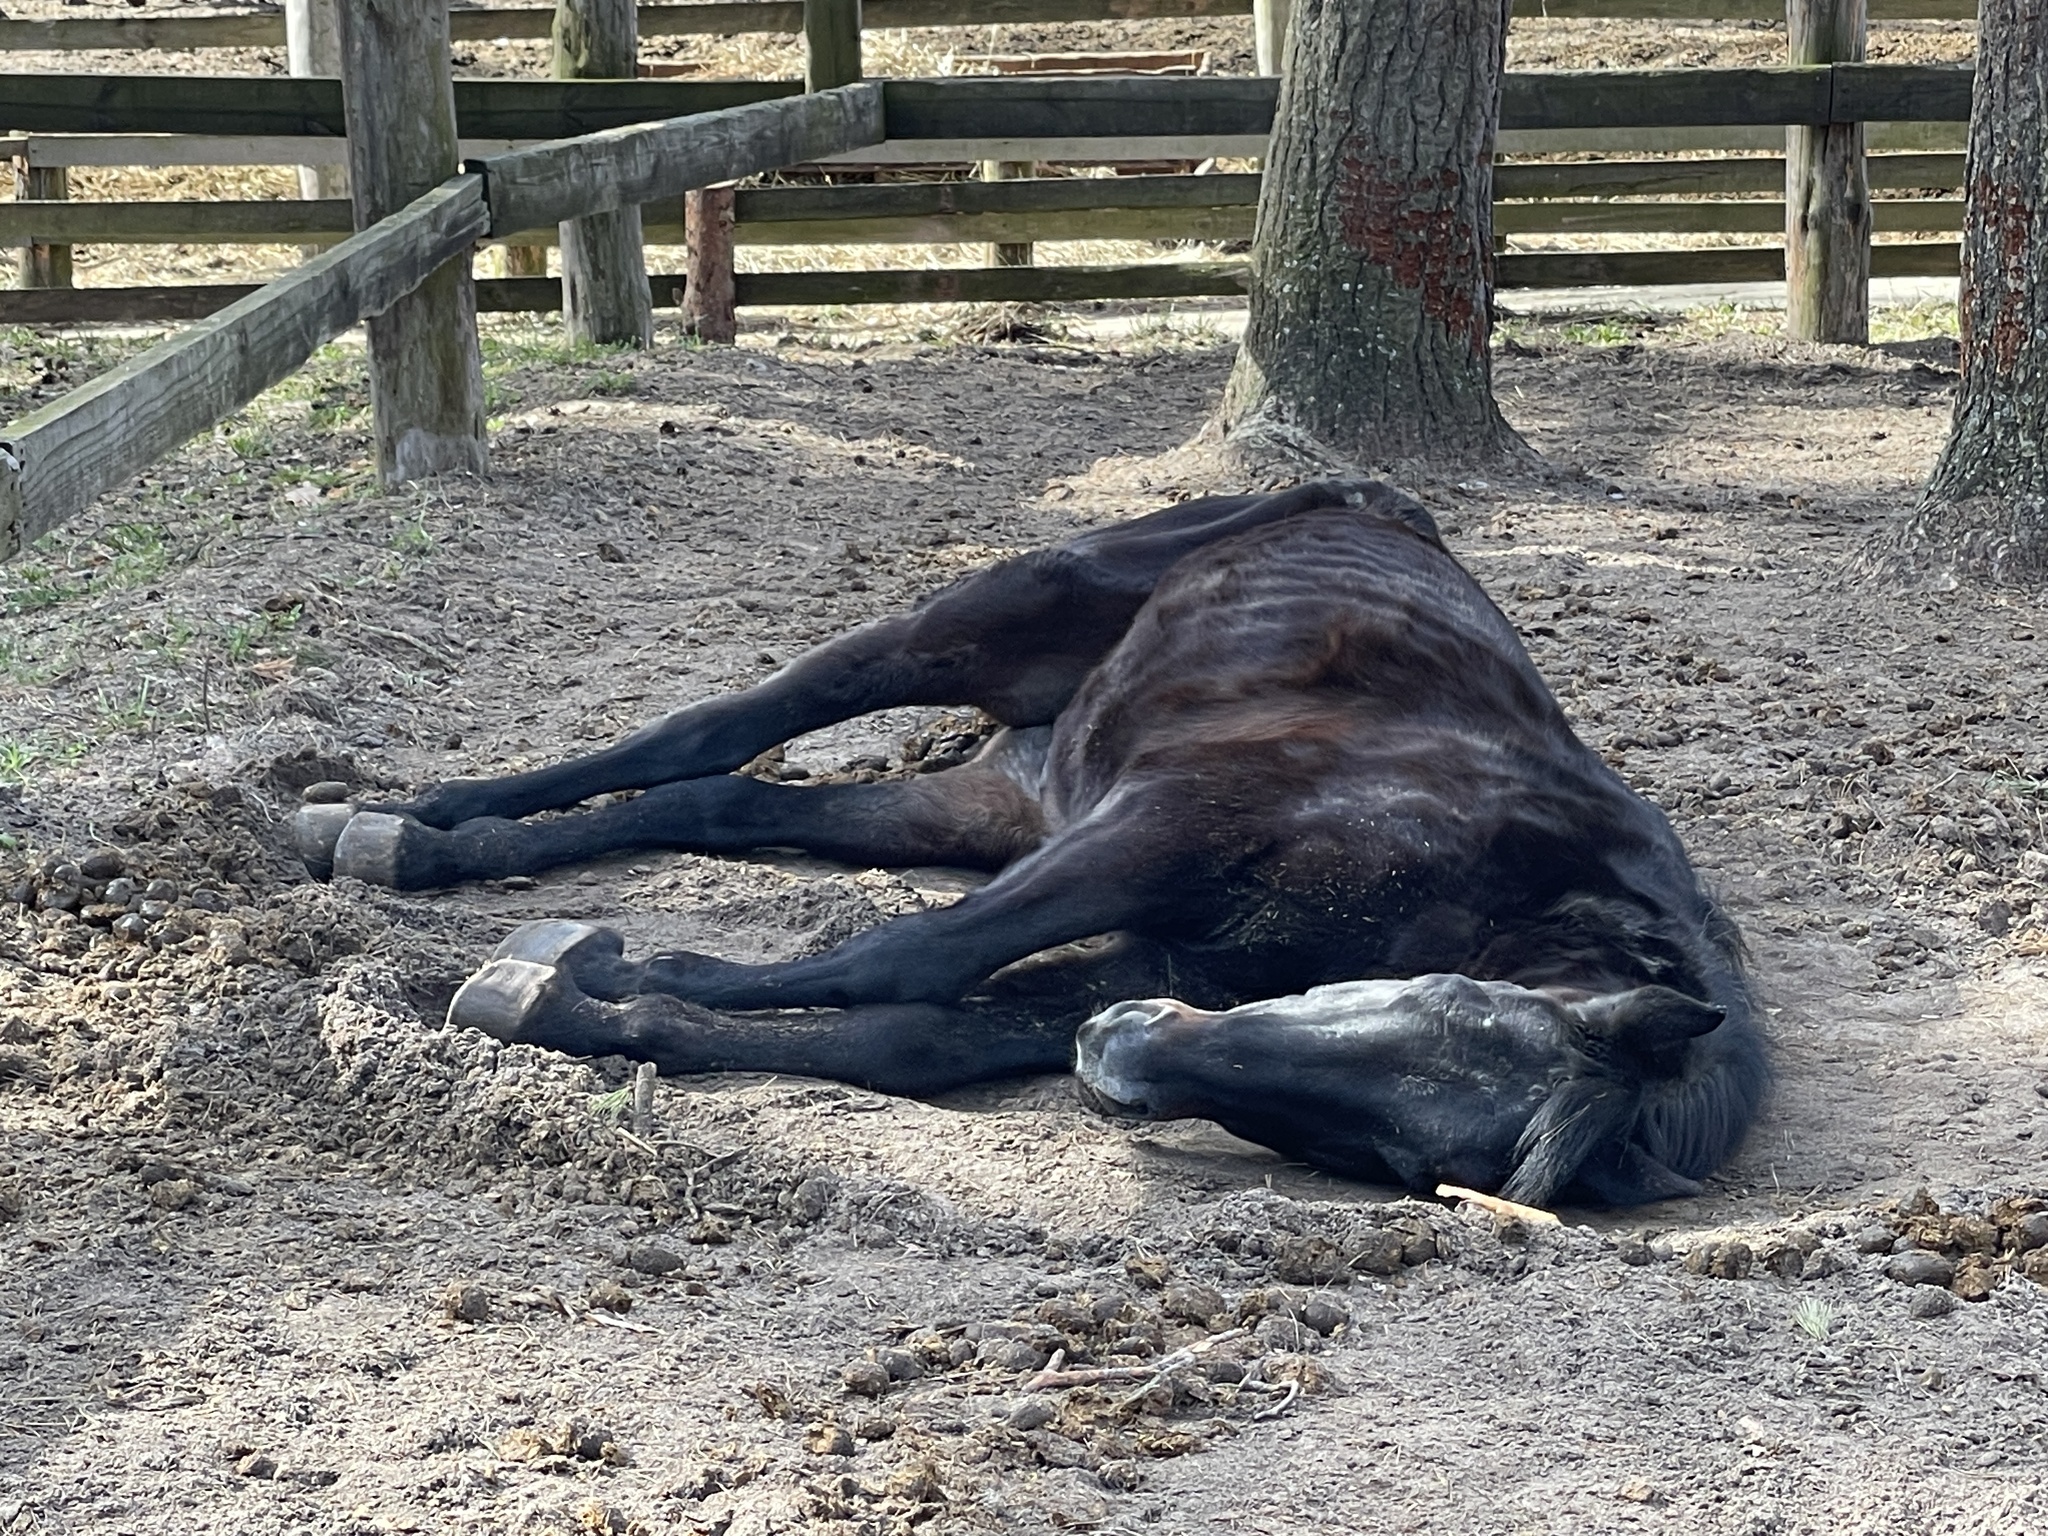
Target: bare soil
(283, 1253)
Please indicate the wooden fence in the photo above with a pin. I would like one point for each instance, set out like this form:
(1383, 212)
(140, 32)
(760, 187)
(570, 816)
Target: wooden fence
(57, 460)
(968, 120)
(602, 153)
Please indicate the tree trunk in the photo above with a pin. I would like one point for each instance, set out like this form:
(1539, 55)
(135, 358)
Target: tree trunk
(43, 266)
(708, 312)
(1987, 503)
(1372, 269)
(604, 264)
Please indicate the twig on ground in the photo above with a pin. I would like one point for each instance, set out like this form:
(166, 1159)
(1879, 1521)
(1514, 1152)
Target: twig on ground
(1274, 1410)
(1096, 1375)
(1499, 1207)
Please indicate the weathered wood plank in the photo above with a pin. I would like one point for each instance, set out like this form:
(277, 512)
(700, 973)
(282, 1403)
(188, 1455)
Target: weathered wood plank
(92, 440)
(1892, 216)
(831, 43)
(1166, 280)
(1827, 193)
(1009, 228)
(426, 369)
(268, 222)
(1902, 93)
(1917, 137)
(1764, 263)
(809, 220)
(901, 200)
(1675, 98)
(1112, 150)
(1014, 108)
(254, 30)
(1022, 107)
(626, 166)
(995, 285)
(263, 104)
(312, 30)
(1672, 178)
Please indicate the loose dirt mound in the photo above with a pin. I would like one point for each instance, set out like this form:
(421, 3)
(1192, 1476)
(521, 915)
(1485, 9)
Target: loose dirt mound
(288, 1254)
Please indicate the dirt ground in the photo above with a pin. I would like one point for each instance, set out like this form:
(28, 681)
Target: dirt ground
(285, 1254)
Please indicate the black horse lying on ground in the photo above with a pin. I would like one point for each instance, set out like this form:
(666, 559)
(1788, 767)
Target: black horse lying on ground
(1260, 751)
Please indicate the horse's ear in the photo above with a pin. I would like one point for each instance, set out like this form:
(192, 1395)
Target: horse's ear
(1648, 1018)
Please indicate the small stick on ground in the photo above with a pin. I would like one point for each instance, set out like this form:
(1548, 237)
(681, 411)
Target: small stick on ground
(1274, 1410)
(1499, 1207)
(1096, 1375)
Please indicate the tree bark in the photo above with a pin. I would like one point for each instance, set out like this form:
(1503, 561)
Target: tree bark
(1372, 267)
(708, 310)
(426, 373)
(1986, 510)
(604, 264)
(43, 266)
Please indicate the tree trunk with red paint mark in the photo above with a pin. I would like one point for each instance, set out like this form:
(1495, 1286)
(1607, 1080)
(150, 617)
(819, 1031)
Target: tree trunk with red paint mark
(1987, 503)
(1372, 269)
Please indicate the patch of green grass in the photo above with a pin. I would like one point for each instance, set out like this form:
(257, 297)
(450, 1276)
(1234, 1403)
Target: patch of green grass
(1599, 333)
(612, 382)
(412, 538)
(243, 638)
(1914, 322)
(536, 345)
(23, 758)
(139, 553)
(612, 1106)
(132, 710)
(31, 587)
(1710, 322)
(252, 442)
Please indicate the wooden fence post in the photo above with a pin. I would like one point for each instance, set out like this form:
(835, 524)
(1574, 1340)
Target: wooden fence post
(604, 267)
(1827, 189)
(1269, 33)
(831, 43)
(43, 266)
(1005, 253)
(708, 311)
(426, 375)
(312, 42)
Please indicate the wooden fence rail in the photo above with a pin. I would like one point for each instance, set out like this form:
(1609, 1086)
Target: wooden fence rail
(1200, 208)
(1152, 280)
(266, 29)
(996, 108)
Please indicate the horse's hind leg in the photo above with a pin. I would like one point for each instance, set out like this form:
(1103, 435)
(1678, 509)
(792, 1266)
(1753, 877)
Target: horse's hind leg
(1015, 640)
(974, 817)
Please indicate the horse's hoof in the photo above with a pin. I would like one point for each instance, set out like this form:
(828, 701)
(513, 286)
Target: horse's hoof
(372, 848)
(315, 831)
(594, 956)
(514, 1001)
